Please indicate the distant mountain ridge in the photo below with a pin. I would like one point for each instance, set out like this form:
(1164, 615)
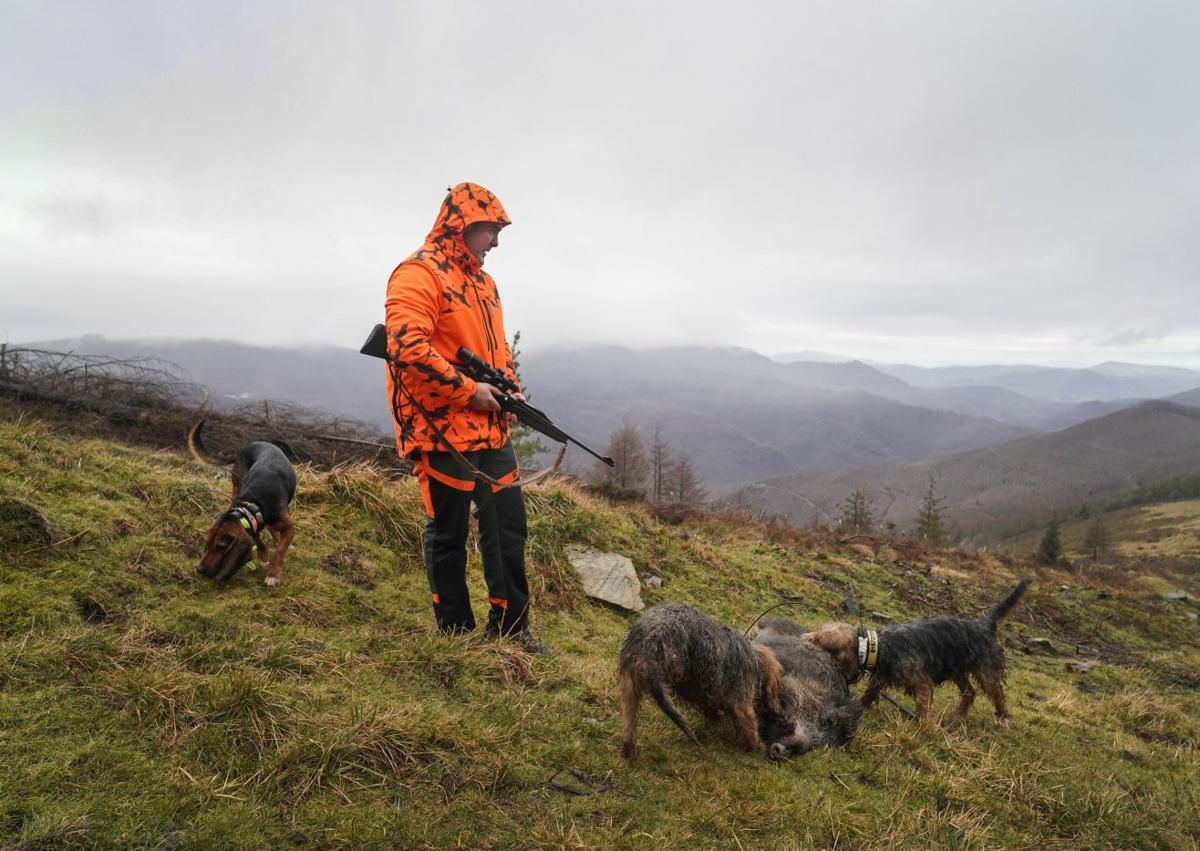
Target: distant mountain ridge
(738, 416)
(1107, 382)
(1011, 486)
(810, 355)
(1191, 397)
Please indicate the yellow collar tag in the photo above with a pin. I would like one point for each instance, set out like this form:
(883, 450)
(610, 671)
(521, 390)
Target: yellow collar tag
(250, 564)
(872, 649)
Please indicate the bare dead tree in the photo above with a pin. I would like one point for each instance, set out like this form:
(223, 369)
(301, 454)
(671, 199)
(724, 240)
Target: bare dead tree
(683, 486)
(660, 462)
(157, 404)
(630, 462)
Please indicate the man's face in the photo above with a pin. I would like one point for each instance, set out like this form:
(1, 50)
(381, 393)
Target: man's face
(481, 238)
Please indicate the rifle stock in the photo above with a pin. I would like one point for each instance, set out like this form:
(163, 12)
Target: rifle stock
(376, 344)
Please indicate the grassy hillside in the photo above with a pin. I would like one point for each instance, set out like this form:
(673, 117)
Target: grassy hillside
(1003, 491)
(141, 706)
(1167, 530)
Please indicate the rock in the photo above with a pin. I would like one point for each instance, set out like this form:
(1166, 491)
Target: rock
(881, 617)
(653, 581)
(1082, 667)
(607, 576)
(1064, 587)
(1040, 645)
(1177, 596)
(850, 604)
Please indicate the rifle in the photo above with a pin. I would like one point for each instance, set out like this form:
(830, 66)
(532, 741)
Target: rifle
(476, 368)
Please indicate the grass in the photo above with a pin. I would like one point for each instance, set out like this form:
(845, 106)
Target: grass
(1165, 530)
(142, 706)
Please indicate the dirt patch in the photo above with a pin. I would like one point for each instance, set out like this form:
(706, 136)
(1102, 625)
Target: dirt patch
(23, 526)
(348, 566)
(94, 611)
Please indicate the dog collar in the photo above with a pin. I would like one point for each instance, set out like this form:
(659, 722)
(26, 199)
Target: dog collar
(868, 648)
(251, 520)
(249, 563)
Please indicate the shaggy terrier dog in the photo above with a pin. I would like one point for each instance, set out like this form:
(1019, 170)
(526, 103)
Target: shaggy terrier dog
(919, 655)
(815, 706)
(673, 646)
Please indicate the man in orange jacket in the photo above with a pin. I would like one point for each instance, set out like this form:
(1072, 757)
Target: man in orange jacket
(438, 300)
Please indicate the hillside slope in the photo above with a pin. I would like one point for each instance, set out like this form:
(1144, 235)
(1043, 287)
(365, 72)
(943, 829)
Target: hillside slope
(1001, 490)
(739, 416)
(141, 706)
(1154, 531)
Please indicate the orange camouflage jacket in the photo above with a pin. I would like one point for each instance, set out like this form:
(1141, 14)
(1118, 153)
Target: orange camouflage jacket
(439, 299)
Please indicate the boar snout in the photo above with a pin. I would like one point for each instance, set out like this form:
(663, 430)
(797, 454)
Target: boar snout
(790, 746)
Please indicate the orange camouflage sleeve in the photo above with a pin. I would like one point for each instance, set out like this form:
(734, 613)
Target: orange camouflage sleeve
(412, 308)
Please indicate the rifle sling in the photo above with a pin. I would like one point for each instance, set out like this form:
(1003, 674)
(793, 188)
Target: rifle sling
(459, 458)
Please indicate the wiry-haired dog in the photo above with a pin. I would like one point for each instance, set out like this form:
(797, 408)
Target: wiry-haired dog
(672, 645)
(919, 655)
(815, 707)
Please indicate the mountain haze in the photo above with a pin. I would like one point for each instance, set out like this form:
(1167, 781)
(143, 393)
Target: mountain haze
(328, 378)
(1107, 382)
(1012, 486)
(738, 416)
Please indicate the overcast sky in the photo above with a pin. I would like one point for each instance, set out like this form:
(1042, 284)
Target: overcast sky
(927, 182)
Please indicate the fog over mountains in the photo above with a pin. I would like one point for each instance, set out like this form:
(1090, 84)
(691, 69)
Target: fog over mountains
(1105, 382)
(809, 431)
(1009, 488)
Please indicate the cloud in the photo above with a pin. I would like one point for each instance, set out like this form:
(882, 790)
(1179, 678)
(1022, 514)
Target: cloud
(1130, 336)
(65, 217)
(676, 172)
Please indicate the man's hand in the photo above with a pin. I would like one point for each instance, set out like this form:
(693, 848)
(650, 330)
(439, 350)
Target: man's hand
(484, 398)
(512, 418)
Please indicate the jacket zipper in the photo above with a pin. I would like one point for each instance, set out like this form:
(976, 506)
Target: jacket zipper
(488, 334)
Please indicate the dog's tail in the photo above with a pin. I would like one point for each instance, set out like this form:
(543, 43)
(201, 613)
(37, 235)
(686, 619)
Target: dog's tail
(199, 452)
(1008, 602)
(655, 687)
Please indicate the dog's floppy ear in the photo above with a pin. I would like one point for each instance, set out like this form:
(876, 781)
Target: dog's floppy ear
(824, 638)
(772, 673)
(839, 641)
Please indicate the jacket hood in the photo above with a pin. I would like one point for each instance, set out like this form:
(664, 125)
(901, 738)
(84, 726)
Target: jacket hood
(465, 204)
